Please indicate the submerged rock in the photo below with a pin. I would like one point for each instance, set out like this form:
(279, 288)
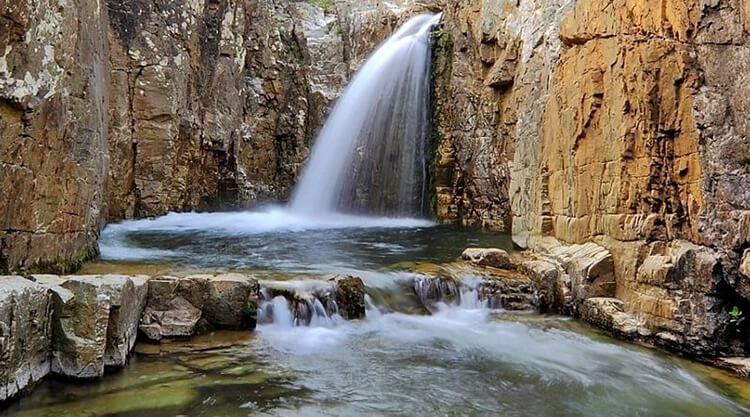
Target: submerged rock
(25, 334)
(432, 290)
(302, 303)
(509, 293)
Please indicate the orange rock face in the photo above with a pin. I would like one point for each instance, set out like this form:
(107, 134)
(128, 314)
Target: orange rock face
(621, 122)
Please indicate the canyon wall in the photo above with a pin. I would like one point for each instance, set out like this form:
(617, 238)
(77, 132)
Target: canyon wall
(115, 109)
(620, 122)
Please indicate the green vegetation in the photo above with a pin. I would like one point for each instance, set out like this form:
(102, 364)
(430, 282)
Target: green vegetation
(326, 5)
(744, 160)
(442, 68)
(735, 317)
(62, 266)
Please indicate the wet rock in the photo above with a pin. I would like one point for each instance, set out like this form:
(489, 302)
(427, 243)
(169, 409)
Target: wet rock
(738, 365)
(340, 297)
(609, 314)
(182, 307)
(508, 290)
(432, 290)
(516, 293)
(81, 318)
(25, 334)
(496, 258)
(231, 301)
(550, 281)
(95, 321)
(587, 271)
(174, 306)
(349, 294)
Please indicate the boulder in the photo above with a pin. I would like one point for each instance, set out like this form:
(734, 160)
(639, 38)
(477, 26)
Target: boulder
(432, 290)
(590, 270)
(81, 318)
(608, 314)
(95, 321)
(550, 281)
(508, 290)
(492, 257)
(174, 306)
(231, 301)
(178, 319)
(126, 306)
(25, 334)
(349, 293)
(182, 307)
(509, 293)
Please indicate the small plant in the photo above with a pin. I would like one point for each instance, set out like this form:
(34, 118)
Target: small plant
(744, 160)
(735, 317)
(326, 5)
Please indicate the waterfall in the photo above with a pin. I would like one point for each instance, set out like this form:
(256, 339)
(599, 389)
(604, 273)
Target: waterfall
(370, 156)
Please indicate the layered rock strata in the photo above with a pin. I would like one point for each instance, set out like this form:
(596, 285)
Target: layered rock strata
(613, 122)
(158, 106)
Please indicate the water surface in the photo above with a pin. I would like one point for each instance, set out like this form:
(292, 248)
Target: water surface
(400, 361)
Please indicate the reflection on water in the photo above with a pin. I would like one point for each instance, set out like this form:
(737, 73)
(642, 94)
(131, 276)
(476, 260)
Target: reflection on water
(400, 361)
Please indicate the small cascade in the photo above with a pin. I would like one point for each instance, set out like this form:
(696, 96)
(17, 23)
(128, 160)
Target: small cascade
(472, 292)
(432, 291)
(288, 308)
(371, 155)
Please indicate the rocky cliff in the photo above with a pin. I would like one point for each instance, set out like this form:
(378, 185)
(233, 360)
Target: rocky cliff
(621, 122)
(113, 109)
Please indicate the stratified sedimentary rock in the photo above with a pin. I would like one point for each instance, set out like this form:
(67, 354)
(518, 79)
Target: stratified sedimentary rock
(25, 334)
(618, 122)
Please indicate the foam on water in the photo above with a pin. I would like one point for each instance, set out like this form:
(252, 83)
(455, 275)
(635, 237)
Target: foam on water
(275, 219)
(462, 336)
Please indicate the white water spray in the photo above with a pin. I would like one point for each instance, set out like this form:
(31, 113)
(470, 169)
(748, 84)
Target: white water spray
(370, 157)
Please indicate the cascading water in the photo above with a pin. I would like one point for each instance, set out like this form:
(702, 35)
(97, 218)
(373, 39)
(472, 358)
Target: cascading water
(371, 155)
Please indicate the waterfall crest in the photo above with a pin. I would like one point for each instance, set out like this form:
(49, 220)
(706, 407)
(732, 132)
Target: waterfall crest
(370, 157)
